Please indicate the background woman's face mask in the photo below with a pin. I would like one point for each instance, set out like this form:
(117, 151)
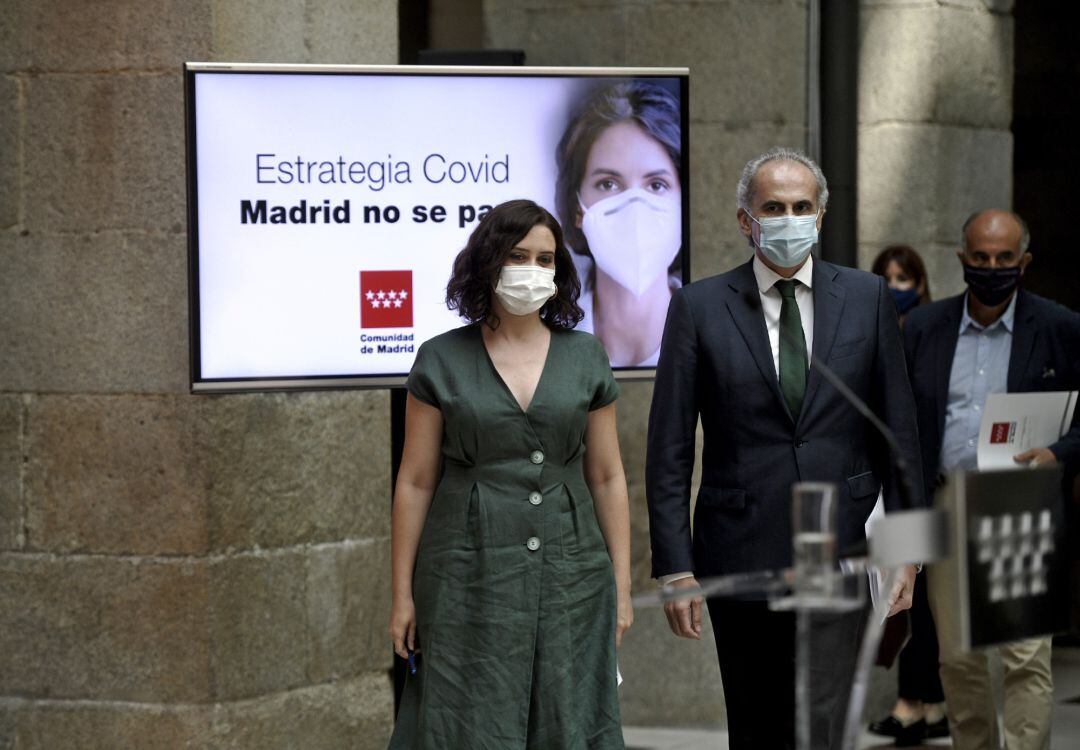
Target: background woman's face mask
(524, 289)
(633, 236)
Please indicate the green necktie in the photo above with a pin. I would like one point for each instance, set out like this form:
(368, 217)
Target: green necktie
(793, 367)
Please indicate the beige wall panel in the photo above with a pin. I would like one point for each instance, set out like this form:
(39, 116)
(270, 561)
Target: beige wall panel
(115, 474)
(355, 714)
(348, 599)
(324, 31)
(935, 64)
(107, 152)
(259, 31)
(188, 475)
(746, 59)
(11, 467)
(294, 468)
(94, 312)
(918, 183)
(284, 619)
(669, 681)
(507, 28)
(258, 624)
(558, 38)
(104, 628)
(75, 35)
(31, 725)
(635, 399)
(11, 116)
(352, 31)
(352, 714)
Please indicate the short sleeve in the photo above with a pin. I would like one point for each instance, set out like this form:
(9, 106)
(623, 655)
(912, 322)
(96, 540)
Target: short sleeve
(606, 390)
(421, 383)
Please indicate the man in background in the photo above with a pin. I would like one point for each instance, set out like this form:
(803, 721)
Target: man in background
(993, 338)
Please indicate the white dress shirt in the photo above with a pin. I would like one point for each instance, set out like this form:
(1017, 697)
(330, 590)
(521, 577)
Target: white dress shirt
(771, 301)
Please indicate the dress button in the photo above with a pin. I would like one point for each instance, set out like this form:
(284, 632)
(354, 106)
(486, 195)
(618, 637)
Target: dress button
(533, 543)
(537, 457)
(536, 498)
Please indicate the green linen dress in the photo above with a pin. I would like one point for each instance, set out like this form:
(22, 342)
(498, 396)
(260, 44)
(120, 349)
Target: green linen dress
(513, 585)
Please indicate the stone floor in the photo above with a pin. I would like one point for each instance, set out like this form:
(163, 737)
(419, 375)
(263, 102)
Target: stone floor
(1065, 733)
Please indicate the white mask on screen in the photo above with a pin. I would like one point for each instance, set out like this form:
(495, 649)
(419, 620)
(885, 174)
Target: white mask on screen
(633, 236)
(786, 240)
(524, 289)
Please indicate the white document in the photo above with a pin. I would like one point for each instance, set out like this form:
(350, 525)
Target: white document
(1015, 422)
(875, 574)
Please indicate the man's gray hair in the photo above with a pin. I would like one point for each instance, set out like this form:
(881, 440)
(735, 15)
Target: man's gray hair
(1025, 233)
(744, 192)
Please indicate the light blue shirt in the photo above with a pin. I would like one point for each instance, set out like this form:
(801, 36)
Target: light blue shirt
(980, 367)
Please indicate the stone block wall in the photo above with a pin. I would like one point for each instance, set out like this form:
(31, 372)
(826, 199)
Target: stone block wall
(935, 108)
(175, 571)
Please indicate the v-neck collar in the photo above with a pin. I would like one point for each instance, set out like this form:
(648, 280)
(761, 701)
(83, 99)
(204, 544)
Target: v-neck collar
(499, 377)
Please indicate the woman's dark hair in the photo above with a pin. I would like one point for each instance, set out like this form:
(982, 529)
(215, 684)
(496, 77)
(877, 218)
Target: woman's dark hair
(652, 107)
(477, 267)
(910, 263)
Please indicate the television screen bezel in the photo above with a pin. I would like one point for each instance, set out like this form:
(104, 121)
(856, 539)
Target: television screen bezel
(199, 384)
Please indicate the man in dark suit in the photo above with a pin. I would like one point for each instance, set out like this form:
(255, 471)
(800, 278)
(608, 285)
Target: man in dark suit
(735, 352)
(991, 339)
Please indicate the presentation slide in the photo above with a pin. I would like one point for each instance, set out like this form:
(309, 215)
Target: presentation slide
(328, 207)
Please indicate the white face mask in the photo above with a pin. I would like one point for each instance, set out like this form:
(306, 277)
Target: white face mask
(524, 289)
(786, 240)
(633, 236)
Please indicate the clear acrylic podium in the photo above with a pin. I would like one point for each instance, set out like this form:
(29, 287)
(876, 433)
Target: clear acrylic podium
(994, 542)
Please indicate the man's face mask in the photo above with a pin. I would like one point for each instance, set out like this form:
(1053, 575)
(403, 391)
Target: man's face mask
(786, 240)
(633, 236)
(992, 286)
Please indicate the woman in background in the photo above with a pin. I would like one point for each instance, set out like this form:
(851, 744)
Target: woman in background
(511, 523)
(905, 274)
(619, 196)
(919, 712)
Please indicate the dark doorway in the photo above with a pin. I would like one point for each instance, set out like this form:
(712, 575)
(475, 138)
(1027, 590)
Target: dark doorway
(1046, 153)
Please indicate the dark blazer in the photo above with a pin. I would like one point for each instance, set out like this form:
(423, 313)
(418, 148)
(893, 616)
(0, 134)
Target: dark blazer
(716, 362)
(1045, 356)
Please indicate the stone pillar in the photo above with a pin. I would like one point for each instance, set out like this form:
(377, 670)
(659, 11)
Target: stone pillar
(935, 106)
(747, 63)
(175, 571)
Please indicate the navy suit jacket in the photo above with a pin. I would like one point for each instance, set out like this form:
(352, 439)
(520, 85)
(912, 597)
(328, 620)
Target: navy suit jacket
(716, 362)
(1045, 356)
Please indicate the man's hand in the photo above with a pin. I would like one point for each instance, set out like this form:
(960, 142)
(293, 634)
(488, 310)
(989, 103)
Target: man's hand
(903, 590)
(1036, 457)
(684, 614)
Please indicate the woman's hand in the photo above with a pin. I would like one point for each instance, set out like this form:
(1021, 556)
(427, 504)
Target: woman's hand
(403, 626)
(624, 613)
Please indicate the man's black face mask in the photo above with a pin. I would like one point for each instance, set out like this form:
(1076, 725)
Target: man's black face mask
(992, 286)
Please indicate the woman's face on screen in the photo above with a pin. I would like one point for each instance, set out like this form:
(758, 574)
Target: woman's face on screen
(625, 156)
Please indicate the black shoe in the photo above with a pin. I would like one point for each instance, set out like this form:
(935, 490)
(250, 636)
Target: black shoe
(890, 726)
(939, 728)
(912, 735)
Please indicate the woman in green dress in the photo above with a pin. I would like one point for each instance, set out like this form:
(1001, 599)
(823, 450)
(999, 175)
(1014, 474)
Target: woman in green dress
(511, 531)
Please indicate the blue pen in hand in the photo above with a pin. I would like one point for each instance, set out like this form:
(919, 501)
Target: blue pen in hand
(412, 662)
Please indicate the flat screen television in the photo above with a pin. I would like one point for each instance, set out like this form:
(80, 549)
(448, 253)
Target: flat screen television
(326, 205)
